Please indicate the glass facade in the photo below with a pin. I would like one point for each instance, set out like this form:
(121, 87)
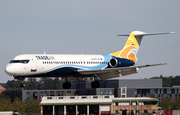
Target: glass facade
(110, 91)
(169, 92)
(45, 93)
(178, 91)
(135, 92)
(68, 93)
(58, 93)
(41, 93)
(51, 93)
(35, 94)
(151, 91)
(107, 91)
(27, 94)
(101, 91)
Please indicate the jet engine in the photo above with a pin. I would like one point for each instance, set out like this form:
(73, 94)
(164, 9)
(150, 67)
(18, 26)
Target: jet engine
(120, 62)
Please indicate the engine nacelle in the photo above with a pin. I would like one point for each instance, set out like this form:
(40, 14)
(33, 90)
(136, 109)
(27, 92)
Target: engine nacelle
(120, 62)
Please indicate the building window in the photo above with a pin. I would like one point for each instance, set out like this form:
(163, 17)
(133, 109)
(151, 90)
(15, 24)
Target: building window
(169, 92)
(145, 111)
(51, 93)
(151, 91)
(124, 103)
(41, 93)
(137, 111)
(134, 103)
(161, 91)
(101, 92)
(116, 103)
(135, 92)
(175, 93)
(178, 91)
(110, 91)
(27, 95)
(107, 91)
(68, 93)
(44, 93)
(58, 93)
(35, 94)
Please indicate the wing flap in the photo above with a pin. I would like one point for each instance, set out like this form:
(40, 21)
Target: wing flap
(129, 71)
(105, 76)
(108, 73)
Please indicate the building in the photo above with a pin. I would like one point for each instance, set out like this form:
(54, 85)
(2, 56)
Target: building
(97, 105)
(132, 88)
(2, 89)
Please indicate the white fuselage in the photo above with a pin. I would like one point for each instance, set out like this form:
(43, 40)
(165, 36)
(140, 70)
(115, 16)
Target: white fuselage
(57, 65)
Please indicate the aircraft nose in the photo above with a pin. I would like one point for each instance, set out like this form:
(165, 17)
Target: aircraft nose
(9, 70)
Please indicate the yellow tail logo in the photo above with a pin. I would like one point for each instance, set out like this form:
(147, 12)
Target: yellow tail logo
(132, 45)
(130, 49)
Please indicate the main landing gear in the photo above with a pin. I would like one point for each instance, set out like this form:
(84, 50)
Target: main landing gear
(95, 84)
(66, 85)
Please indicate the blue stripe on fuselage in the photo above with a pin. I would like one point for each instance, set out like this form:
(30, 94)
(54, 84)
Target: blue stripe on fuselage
(76, 67)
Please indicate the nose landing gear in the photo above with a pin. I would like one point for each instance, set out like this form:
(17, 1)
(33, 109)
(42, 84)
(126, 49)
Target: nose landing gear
(22, 85)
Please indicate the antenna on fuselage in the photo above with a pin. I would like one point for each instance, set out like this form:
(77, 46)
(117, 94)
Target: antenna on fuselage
(44, 53)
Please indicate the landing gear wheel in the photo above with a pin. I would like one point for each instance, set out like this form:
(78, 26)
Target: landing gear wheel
(22, 85)
(66, 85)
(95, 84)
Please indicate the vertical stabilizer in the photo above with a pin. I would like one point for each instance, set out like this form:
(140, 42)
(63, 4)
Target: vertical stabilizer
(132, 45)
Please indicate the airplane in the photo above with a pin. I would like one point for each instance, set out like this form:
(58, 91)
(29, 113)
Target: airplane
(70, 66)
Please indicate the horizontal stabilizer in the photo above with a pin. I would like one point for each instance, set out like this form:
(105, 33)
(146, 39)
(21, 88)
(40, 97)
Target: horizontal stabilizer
(140, 33)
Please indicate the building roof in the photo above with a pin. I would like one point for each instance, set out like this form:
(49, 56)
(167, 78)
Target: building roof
(1, 87)
(71, 100)
(135, 99)
(95, 99)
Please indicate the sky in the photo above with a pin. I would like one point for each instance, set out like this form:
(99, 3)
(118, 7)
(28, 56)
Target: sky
(91, 27)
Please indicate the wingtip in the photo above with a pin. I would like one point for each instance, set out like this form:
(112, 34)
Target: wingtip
(172, 32)
(165, 64)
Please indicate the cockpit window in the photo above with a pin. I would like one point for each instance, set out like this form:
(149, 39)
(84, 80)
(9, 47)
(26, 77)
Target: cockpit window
(19, 61)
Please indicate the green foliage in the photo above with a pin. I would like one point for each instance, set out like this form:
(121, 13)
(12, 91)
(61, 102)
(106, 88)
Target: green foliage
(166, 103)
(2, 95)
(18, 106)
(46, 83)
(29, 106)
(32, 106)
(5, 104)
(152, 95)
(176, 105)
(169, 81)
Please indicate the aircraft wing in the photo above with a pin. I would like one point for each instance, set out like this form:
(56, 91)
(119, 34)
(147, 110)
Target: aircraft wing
(108, 73)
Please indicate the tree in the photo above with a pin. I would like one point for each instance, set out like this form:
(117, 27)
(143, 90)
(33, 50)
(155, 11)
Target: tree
(32, 106)
(18, 106)
(165, 103)
(152, 95)
(176, 105)
(5, 104)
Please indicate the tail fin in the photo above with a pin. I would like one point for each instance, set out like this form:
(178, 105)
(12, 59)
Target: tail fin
(132, 45)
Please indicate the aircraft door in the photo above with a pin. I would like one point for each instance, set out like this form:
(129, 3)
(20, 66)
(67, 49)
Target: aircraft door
(34, 64)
